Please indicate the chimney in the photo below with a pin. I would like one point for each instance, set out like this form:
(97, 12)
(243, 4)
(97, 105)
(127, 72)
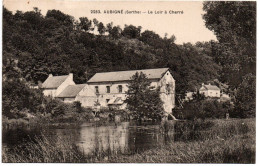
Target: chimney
(71, 76)
(209, 84)
(202, 84)
(50, 75)
(39, 84)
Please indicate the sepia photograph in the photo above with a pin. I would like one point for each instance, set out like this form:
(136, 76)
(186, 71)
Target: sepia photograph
(128, 82)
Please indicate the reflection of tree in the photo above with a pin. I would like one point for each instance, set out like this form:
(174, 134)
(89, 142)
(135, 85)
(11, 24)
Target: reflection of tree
(141, 139)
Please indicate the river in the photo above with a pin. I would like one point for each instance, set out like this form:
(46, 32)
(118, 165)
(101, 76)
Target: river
(125, 136)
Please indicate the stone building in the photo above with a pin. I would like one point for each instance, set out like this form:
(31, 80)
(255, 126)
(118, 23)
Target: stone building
(110, 88)
(54, 85)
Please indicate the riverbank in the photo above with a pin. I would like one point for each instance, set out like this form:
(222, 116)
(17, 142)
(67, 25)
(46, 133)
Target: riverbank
(70, 119)
(227, 141)
(210, 141)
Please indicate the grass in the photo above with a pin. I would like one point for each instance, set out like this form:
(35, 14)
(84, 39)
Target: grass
(226, 141)
(210, 141)
(47, 150)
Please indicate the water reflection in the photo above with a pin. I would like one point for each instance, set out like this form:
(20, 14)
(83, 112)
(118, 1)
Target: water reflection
(112, 137)
(126, 137)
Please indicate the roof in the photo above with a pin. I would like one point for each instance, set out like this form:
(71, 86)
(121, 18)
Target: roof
(54, 82)
(126, 75)
(71, 91)
(116, 101)
(211, 87)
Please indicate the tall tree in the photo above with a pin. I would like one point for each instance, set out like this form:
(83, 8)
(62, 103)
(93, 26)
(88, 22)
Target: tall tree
(235, 28)
(131, 31)
(85, 24)
(101, 28)
(142, 100)
(234, 24)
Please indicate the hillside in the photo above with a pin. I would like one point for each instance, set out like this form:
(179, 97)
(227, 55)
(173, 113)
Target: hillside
(59, 44)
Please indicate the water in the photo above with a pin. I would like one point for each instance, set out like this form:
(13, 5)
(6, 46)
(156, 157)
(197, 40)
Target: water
(124, 137)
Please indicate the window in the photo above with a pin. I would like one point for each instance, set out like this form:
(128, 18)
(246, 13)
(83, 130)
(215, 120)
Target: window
(120, 88)
(107, 100)
(108, 89)
(96, 87)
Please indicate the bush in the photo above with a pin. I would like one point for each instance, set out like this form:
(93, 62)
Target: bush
(202, 109)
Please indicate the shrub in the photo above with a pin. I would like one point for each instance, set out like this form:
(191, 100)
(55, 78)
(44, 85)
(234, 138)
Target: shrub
(205, 109)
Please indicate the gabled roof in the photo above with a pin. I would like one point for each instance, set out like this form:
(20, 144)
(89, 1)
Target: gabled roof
(71, 91)
(126, 75)
(211, 87)
(54, 82)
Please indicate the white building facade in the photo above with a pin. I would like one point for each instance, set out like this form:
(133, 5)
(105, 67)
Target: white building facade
(210, 90)
(110, 89)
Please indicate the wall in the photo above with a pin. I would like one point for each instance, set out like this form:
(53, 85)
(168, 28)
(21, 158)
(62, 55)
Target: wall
(103, 96)
(49, 92)
(213, 93)
(204, 91)
(167, 90)
(69, 100)
(210, 93)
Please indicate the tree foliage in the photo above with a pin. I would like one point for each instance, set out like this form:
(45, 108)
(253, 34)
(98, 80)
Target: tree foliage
(234, 24)
(59, 44)
(142, 100)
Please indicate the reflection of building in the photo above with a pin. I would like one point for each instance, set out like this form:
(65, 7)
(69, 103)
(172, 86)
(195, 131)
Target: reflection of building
(210, 90)
(112, 138)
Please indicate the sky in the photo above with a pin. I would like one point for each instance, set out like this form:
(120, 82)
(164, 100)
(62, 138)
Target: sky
(186, 27)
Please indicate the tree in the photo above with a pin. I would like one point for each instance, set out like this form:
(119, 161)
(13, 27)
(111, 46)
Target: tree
(116, 32)
(96, 23)
(85, 24)
(142, 100)
(17, 96)
(246, 97)
(101, 28)
(235, 28)
(131, 31)
(109, 27)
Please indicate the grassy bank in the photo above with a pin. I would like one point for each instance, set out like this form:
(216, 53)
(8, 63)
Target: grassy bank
(226, 141)
(210, 141)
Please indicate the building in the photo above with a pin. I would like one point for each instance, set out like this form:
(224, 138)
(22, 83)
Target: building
(54, 85)
(210, 90)
(225, 97)
(71, 93)
(110, 88)
(189, 96)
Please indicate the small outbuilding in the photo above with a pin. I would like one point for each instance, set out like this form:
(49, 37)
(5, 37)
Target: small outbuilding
(210, 90)
(54, 85)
